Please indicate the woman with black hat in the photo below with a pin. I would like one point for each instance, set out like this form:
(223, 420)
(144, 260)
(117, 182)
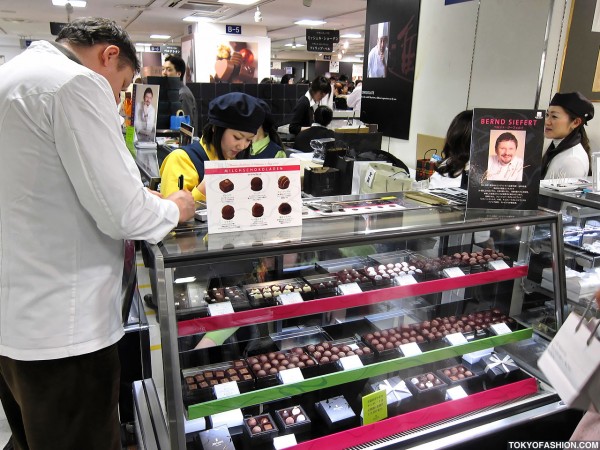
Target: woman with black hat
(233, 120)
(568, 156)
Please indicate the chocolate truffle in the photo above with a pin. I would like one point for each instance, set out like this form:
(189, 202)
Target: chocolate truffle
(257, 210)
(226, 185)
(284, 209)
(283, 182)
(256, 184)
(227, 212)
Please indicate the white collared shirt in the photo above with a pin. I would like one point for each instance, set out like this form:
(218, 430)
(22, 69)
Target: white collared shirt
(69, 194)
(497, 171)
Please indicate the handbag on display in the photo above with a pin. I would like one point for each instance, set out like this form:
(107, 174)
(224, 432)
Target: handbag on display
(571, 363)
(178, 119)
(426, 166)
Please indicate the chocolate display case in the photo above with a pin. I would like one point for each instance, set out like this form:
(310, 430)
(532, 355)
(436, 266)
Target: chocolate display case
(454, 309)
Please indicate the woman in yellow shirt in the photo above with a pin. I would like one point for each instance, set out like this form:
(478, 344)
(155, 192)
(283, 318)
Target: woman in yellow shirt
(233, 120)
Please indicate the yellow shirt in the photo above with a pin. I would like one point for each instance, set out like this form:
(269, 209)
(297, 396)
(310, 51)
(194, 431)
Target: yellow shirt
(179, 163)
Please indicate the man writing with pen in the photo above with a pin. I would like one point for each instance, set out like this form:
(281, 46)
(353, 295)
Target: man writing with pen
(233, 120)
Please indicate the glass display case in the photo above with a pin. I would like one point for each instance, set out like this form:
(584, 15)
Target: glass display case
(269, 333)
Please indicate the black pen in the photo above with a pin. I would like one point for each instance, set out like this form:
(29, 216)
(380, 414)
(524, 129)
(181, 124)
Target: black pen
(180, 182)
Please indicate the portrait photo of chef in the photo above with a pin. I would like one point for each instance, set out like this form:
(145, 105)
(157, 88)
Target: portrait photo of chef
(145, 102)
(505, 162)
(379, 39)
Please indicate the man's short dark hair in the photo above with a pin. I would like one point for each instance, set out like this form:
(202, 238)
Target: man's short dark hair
(507, 136)
(323, 115)
(149, 91)
(88, 31)
(178, 63)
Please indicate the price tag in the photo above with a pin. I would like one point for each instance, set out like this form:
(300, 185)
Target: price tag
(353, 346)
(410, 349)
(229, 419)
(350, 288)
(291, 375)
(455, 393)
(500, 328)
(351, 362)
(229, 389)
(456, 339)
(285, 441)
(405, 280)
(291, 298)
(217, 309)
(498, 265)
(374, 407)
(453, 272)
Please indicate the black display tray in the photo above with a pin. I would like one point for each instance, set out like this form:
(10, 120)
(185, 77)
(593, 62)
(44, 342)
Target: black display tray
(271, 378)
(201, 389)
(367, 356)
(265, 294)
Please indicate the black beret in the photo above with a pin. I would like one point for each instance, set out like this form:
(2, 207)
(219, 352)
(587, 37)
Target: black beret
(575, 103)
(237, 111)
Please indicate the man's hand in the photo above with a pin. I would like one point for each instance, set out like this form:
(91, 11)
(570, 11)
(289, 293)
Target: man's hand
(185, 202)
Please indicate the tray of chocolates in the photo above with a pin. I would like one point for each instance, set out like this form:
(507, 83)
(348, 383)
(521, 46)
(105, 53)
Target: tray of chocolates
(232, 294)
(427, 387)
(469, 262)
(460, 374)
(198, 382)
(338, 265)
(385, 274)
(293, 420)
(329, 353)
(266, 294)
(266, 366)
(386, 343)
(189, 300)
(323, 285)
(299, 337)
(260, 429)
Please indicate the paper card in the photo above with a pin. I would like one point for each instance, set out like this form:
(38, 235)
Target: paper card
(456, 339)
(455, 393)
(291, 375)
(217, 309)
(226, 389)
(498, 265)
(500, 328)
(353, 346)
(453, 272)
(251, 194)
(229, 419)
(351, 362)
(374, 407)
(410, 349)
(405, 280)
(290, 299)
(285, 441)
(350, 288)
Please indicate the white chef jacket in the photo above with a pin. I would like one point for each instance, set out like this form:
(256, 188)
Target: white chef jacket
(354, 99)
(375, 67)
(570, 163)
(513, 171)
(69, 194)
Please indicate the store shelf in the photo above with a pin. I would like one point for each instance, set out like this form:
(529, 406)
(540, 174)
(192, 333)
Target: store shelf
(254, 316)
(338, 378)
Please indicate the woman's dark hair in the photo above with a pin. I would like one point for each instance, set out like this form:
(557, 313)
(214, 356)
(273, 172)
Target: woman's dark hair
(457, 148)
(320, 84)
(89, 31)
(323, 115)
(213, 135)
(285, 79)
(585, 142)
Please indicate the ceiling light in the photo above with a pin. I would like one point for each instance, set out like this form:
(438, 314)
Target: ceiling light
(351, 36)
(159, 36)
(294, 44)
(258, 15)
(199, 19)
(310, 23)
(74, 3)
(346, 44)
(340, 55)
(239, 2)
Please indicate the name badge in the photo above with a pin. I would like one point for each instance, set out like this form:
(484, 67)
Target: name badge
(217, 309)
(500, 328)
(410, 349)
(350, 288)
(291, 298)
(291, 375)
(228, 389)
(351, 362)
(456, 339)
(405, 280)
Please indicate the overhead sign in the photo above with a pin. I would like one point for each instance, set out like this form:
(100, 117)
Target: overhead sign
(321, 40)
(327, 58)
(155, 48)
(55, 27)
(233, 29)
(171, 50)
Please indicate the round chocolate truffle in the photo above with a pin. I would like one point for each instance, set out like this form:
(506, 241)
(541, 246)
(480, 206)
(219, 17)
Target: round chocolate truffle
(227, 212)
(283, 182)
(256, 184)
(284, 209)
(257, 210)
